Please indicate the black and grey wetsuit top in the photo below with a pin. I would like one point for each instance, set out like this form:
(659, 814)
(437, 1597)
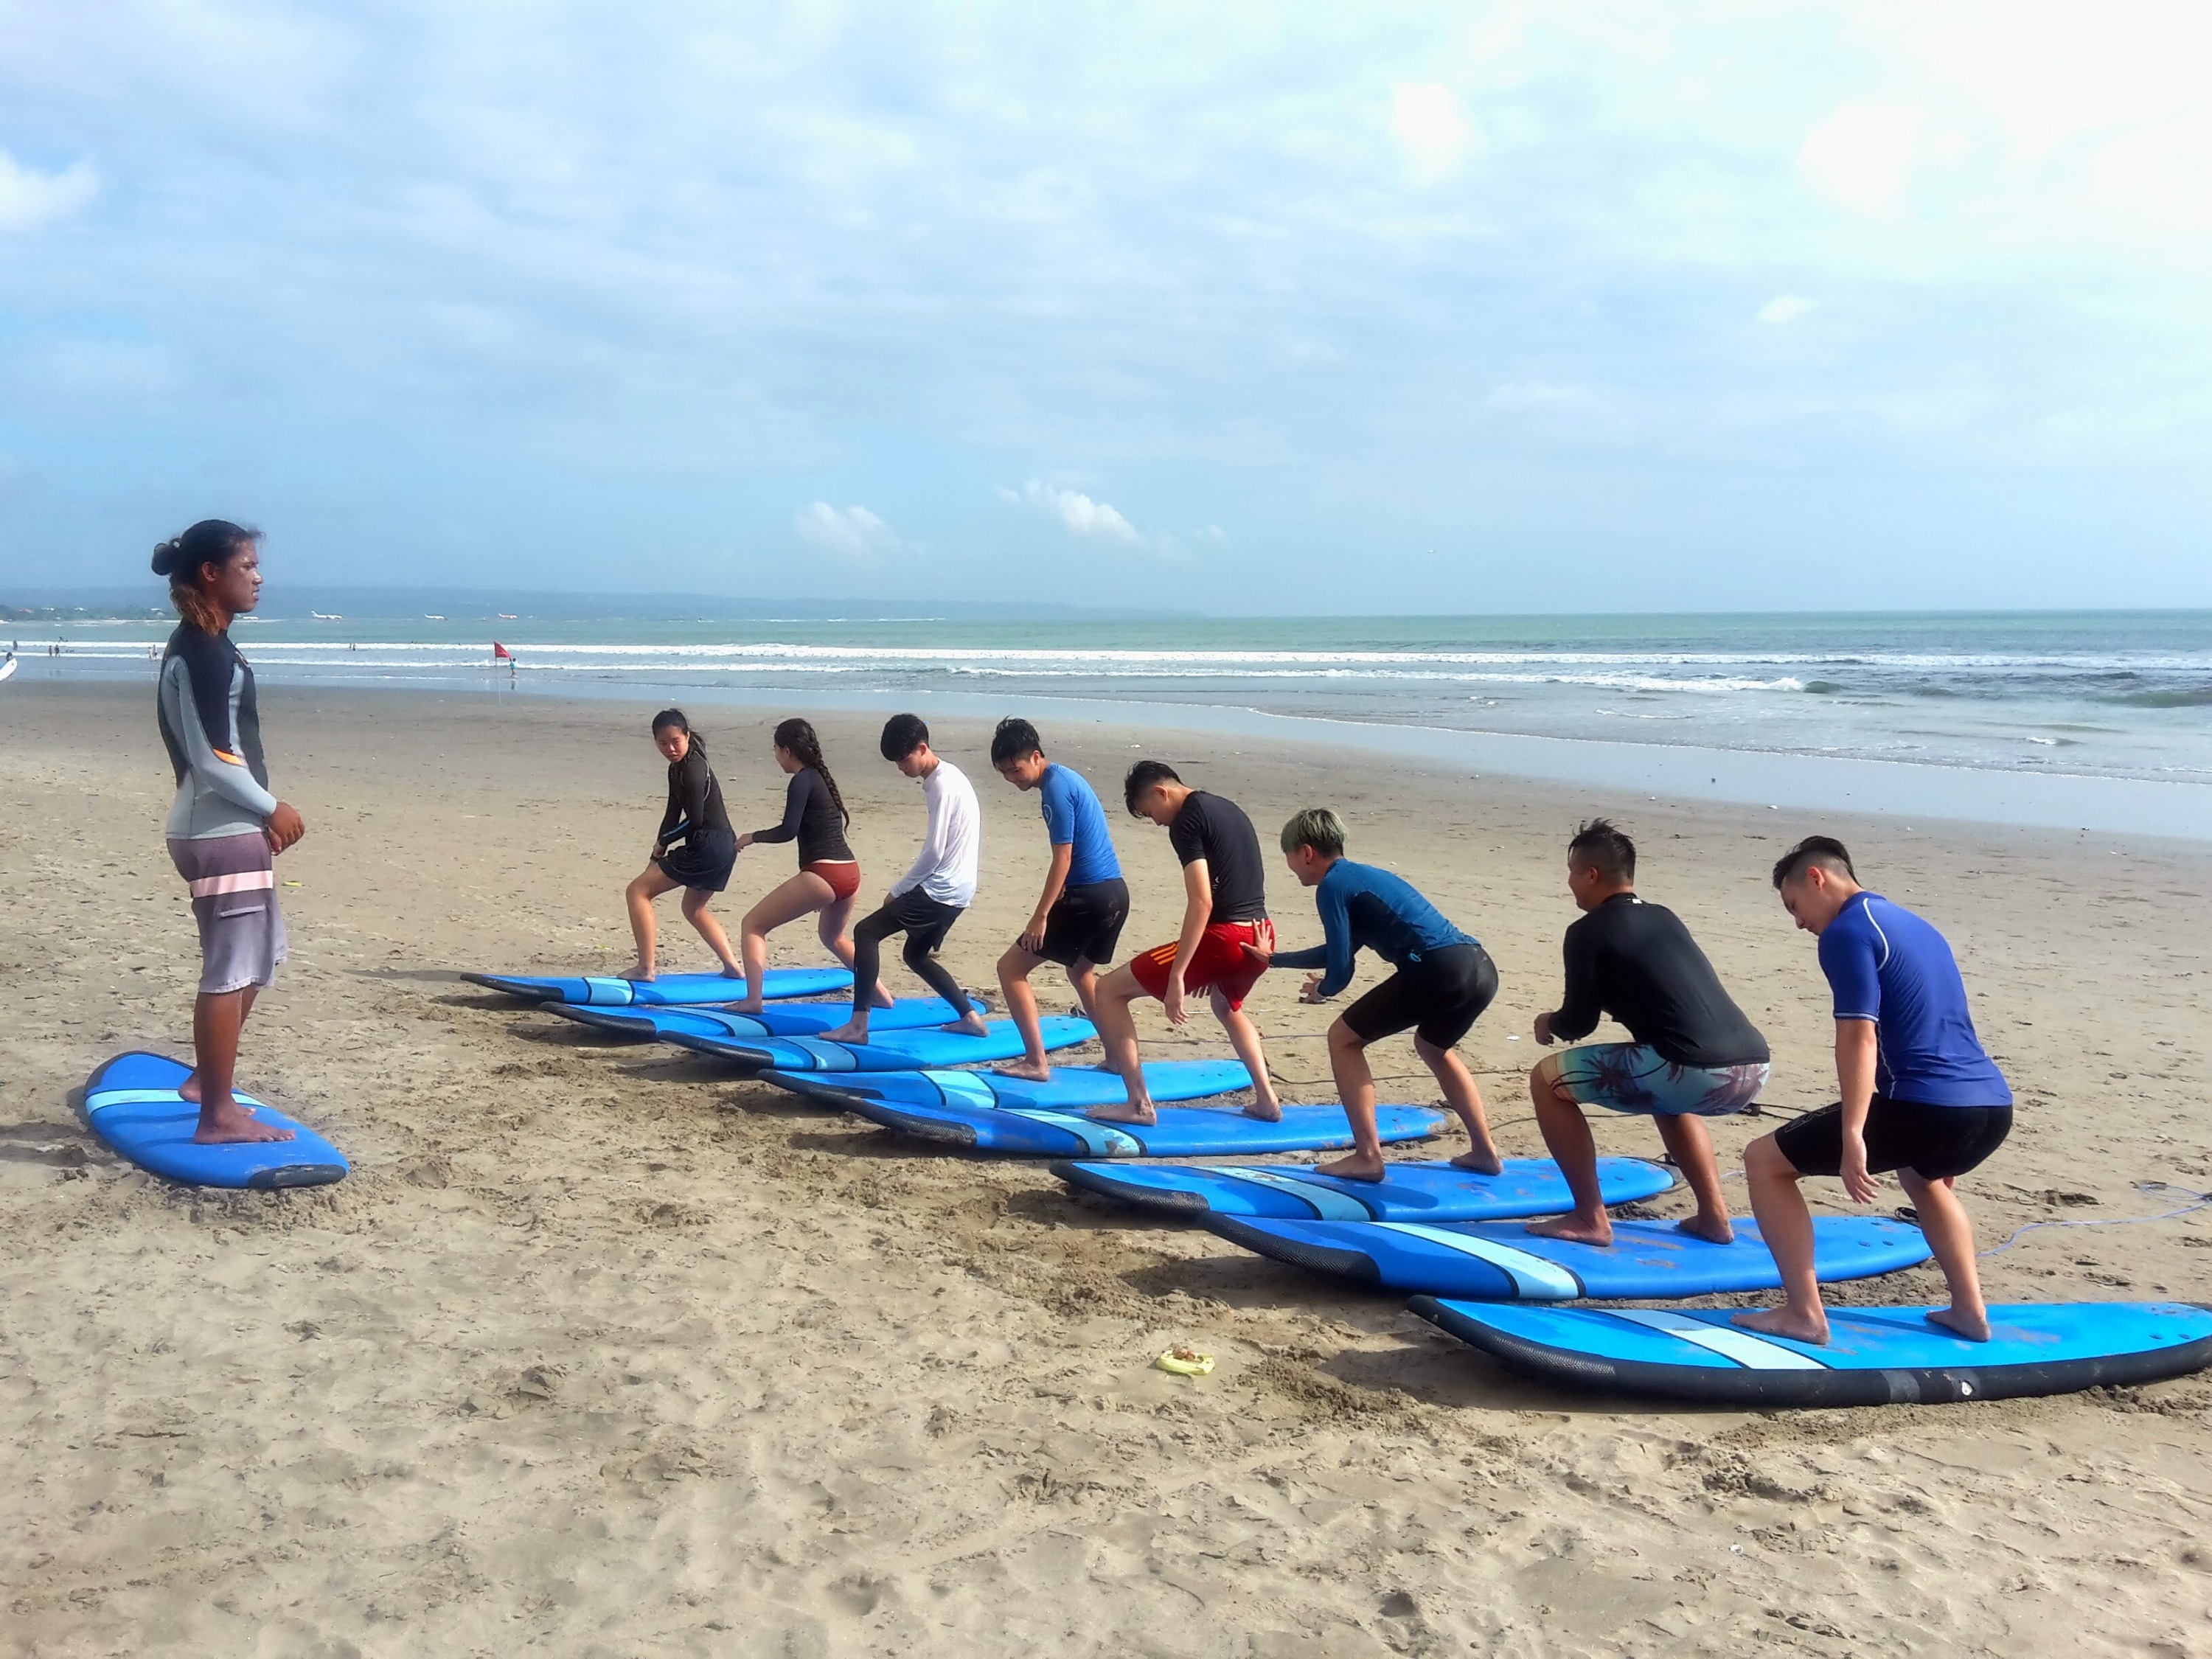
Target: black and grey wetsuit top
(694, 800)
(811, 817)
(1637, 962)
(211, 726)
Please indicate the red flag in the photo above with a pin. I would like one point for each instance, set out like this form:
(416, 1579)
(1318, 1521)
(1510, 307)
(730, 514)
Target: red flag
(499, 651)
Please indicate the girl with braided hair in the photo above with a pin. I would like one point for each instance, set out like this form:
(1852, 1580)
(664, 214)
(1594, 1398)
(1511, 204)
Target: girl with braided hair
(828, 878)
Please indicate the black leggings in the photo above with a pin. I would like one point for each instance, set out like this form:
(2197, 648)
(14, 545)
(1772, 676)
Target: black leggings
(925, 922)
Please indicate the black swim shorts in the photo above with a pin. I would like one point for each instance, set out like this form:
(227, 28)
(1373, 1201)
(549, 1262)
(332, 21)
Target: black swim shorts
(1933, 1142)
(1441, 997)
(1085, 925)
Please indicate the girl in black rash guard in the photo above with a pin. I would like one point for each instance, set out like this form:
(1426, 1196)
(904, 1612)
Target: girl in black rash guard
(828, 878)
(695, 849)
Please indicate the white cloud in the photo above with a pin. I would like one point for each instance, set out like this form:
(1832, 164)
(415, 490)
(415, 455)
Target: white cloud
(1431, 129)
(1786, 308)
(851, 533)
(29, 199)
(1861, 153)
(1082, 515)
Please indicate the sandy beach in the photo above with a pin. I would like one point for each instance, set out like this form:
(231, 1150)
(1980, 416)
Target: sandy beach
(599, 1352)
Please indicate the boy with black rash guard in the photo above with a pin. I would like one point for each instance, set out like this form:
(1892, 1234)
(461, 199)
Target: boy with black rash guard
(925, 901)
(1443, 981)
(1078, 916)
(1694, 1055)
(1920, 1094)
(1223, 949)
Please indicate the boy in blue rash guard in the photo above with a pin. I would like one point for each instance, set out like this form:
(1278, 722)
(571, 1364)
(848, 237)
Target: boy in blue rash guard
(1443, 981)
(1078, 916)
(1920, 1094)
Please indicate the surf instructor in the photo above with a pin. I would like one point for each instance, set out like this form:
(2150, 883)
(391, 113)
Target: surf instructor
(224, 828)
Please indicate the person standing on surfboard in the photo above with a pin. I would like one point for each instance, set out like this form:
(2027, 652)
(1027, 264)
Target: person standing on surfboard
(925, 901)
(1078, 917)
(828, 878)
(695, 848)
(1921, 1096)
(1223, 949)
(1443, 980)
(224, 828)
(1693, 1055)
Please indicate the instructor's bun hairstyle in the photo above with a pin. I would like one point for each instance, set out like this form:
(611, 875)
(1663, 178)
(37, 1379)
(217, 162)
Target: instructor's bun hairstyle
(1824, 851)
(211, 541)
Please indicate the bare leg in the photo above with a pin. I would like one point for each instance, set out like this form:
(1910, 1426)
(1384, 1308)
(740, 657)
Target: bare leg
(1014, 970)
(189, 1087)
(1464, 1098)
(802, 894)
(835, 929)
(639, 895)
(1117, 1035)
(1787, 1226)
(695, 900)
(1567, 1137)
(1244, 1038)
(1355, 1087)
(1083, 979)
(216, 1021)
(1692, 1148)
(1951, 1236)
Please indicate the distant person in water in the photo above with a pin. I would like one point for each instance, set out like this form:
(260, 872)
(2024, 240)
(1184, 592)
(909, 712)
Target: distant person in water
(1223, 949)
(695, 848)
(1443, 982)
(1080, 914)
(224, 828)
(925, 901)
(829, 879)
(1692, 1055)
(1921, 1096)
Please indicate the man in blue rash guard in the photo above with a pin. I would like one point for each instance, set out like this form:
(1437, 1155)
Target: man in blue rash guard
(1443, 981)
(1080, 914)
(1921, 1096)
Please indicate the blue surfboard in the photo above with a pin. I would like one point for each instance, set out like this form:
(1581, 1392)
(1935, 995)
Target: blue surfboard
(668, 991)
(1182, 1131)
(888, 1051)
(1409, 1191)
(1503, 1261)
(784, 1019)
(1874, 1356)
(132, 1103)
(1072, 1088)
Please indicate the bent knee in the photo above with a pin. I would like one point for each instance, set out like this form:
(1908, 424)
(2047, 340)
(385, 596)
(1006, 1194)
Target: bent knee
(1764, 1160)
(1343, 1040)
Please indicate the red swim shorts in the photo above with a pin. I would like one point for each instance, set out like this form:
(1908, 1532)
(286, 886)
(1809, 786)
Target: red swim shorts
(1222, 962)
(843, 876)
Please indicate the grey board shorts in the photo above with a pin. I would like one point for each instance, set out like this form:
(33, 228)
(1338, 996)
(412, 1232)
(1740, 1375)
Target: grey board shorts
(233, 884)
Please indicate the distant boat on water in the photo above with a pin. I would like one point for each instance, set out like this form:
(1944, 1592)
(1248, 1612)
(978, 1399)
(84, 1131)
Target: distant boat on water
(432, 616)
(508, 615)
(333, 615)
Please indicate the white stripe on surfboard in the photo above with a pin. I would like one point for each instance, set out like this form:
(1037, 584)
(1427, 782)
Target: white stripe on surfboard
(101, 1099)
(609, 992)
(1535, 1280)
(1102, 1138)
(1328, 1203)
(1749, 1350)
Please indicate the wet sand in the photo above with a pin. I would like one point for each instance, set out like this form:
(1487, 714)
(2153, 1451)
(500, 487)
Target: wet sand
(601, 1352)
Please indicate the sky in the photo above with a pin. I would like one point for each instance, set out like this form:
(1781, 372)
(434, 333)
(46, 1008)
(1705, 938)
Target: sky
(1377, 309)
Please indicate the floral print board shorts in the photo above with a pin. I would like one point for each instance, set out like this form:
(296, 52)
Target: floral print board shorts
(1629, 1077)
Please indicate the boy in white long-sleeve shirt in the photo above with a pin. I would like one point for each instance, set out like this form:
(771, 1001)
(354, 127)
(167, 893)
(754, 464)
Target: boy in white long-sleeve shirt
(925, 901)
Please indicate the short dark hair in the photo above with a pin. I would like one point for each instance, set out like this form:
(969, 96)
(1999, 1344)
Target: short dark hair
(902, 735)
(1824, 850)
(1141, 779)
(1604, 849)
(1014, 740)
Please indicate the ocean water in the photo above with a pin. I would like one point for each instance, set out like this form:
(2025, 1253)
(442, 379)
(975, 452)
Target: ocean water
(2122, 697)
